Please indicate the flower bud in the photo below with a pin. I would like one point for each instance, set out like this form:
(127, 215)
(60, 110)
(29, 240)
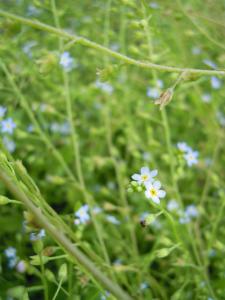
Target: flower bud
(4, 200)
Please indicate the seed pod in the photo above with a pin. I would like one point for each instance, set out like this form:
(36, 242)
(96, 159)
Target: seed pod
(164, 98)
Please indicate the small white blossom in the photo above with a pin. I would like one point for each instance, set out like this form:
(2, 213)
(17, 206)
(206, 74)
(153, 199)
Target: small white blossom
(145, 176)
(153, 191)
(9, 144)
(21, 266)
(104, 86)
(196, 50)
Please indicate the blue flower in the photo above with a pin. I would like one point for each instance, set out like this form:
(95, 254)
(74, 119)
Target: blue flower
(153, 93)
(8, 125)
(191, 211)
(144, 285)
(66, 61)
(215, 83)
(196, 50)
(2, 111)
(9, 144)
(82, 215)
(37, 236)
(191, 157)
(112, 219)
(206, 98)
(172, 205)
(183, 147)
(10, 252)
(104, 86)
(210, 63)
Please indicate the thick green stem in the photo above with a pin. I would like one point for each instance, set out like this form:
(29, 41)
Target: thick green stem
(62, 240)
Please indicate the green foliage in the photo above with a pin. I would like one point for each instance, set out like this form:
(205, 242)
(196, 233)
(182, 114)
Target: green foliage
(82, 97)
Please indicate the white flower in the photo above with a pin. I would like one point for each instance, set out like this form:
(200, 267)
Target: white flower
(145, 176)
(153, 191)
(104, 86)
(196, 50)
(191, 157)
(10, 252)
(2, 111)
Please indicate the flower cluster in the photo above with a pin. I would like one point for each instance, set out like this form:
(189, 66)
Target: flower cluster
(37, 236)
(145, 181)
(188, 153)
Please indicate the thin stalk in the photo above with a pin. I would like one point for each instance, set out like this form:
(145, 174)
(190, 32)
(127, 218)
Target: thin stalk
(88, 43)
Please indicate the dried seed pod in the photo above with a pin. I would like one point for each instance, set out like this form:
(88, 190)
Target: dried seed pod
(164, 98)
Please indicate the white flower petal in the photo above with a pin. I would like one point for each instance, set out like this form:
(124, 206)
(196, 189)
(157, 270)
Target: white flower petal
(144, 170)
(156, 200)
(147, 194)
(148, 185)
(136, 177)
(161, 194)
(157, 184)
(153, 173)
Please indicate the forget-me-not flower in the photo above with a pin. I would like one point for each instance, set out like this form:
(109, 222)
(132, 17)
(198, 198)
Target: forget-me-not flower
(82, 215)
(8, 126)
(154, 192)
(145, 176)
(66, 61)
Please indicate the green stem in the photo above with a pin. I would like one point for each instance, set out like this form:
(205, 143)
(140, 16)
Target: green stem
(62, 240)
(88, 43)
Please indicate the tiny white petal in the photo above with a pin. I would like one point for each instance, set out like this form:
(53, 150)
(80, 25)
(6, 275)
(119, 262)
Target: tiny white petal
(156, 200)
(153, 173)
(136, 177)
(161, 194)
(144, 170)
(157, 184)
(147, 194)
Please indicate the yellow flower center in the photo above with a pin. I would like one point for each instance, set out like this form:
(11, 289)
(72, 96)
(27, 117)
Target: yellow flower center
(153, 192)
(144, 177)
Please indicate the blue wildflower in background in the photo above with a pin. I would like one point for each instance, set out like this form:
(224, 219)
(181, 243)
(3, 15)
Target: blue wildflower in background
(66, 61)
(215, 83)
(2, 111)
(104, 86)
(189, 155)
(112, 220)
(206, 98)
(172, 205)
(191, 212)
(9, 144)
(8, 126)
(12, 258)
(37, 236)
(82, 215)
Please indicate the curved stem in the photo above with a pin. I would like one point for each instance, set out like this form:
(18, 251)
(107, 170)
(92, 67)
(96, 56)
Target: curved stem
(86, 42)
